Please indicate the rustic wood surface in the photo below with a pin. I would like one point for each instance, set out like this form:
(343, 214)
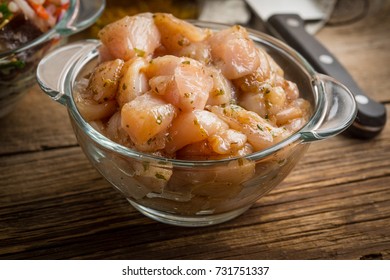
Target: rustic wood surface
(334, 205)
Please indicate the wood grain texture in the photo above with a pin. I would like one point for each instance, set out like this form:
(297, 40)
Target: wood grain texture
(334, 205)
(363, 48)
(37, 123)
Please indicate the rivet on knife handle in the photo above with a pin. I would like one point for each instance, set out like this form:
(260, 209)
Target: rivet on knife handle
(371, 116)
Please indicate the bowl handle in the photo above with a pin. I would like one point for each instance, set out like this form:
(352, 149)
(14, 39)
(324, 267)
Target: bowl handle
(53, 69)
(86, 13)
(338, 113)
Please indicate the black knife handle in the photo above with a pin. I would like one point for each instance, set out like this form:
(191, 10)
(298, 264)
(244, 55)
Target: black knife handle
(371, 116)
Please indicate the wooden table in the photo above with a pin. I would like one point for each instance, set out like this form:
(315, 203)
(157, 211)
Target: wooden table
(334, 205)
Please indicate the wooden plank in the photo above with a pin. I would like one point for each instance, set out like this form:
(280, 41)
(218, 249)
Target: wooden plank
(328, 232)
(326, 204)
(37, 123)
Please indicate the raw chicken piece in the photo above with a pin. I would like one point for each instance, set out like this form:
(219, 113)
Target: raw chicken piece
(92, 110)
(190, 86)
(116, 133)
(254, 102)
(233, 52)
(199, 51)
(176, 33)
(191, 127)
(145, 117)
(183, 82)
(223, 91)
(133, 82)
(162, 66)
(104, 81)
(131, 36)
(268, 71)
(260, 133)
(227, 141)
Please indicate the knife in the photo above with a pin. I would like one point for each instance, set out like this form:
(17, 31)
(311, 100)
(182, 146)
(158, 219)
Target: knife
(290, 27)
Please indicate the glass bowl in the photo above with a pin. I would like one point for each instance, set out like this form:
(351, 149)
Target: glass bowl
(15, 79)
(199, 193)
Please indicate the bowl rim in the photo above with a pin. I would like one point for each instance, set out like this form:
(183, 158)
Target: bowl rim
(101, 140)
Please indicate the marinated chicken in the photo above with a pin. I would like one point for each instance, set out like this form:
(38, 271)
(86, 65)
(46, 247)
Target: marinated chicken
(180, 91)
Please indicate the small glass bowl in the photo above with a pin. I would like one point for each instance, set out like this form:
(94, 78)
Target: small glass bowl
(15, 80)
(199, 193)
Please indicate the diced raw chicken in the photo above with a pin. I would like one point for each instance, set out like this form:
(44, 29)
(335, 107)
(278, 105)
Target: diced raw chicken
(169, 89)
(191, 127)
(162, 66)
(133, 82)
(204, 151)
(190, 86)
(223, 91)
(268, 72)
(183, 82)
(227, 141)
(285, 115)
(104, 54)
(105, 79)
(200, 150)
(263, 98)
(294, 116)
(199, 51)
(131, 36)
(275, 99)
(254, 102)
(176, 85)
(291, 89)
(159, 84)
(176, 33)
(145, 117)
(233, 52)
(116, 133)
(92, 110)
(259, 132)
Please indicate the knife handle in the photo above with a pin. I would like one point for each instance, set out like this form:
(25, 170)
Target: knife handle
(371, 116)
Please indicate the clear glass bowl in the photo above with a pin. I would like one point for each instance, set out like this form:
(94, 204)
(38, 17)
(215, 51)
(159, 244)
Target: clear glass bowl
(199, 193)
(14, 81)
